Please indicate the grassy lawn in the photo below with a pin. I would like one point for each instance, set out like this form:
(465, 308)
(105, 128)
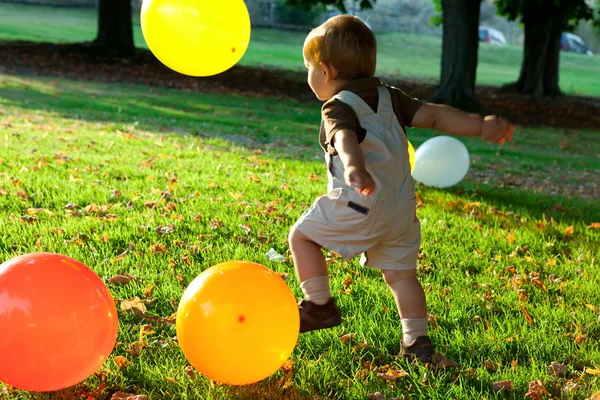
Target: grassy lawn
(400, 54)
(233, 173)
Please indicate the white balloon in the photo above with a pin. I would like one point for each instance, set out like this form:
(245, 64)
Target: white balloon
(441, 162)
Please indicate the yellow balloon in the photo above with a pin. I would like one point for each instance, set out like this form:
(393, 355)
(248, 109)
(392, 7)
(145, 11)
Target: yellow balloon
(196, 37)
(237, 322)
(411, 156)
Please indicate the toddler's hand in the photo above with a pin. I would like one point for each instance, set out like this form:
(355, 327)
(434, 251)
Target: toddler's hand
(496, 130)
(360, 180)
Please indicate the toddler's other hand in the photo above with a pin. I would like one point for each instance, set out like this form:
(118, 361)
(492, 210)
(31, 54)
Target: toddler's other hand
(360, 180)
(496, 130)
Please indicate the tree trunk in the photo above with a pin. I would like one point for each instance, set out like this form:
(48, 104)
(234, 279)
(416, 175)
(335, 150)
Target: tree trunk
(115, 28)
(460, 45)
(541, 53)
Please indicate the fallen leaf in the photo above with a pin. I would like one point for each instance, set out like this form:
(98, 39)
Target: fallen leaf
(375, 396)
(3, 192)
(595, 396)
(491, 366)
(170, 379)
(148, 291)
(29, 218)
(592, 371)
(595, 225)
(128, 396)
(157, 249)
(502, 385)
(528, 317)
(189, 370)
(215, 224)
(347, 337)
(569, 231)
(165, 229)
(121, 362)
(135, 306)
(537, 390)
(22, 194)
(392, 374)
(557, 369)
(591, 307)
(120, 279)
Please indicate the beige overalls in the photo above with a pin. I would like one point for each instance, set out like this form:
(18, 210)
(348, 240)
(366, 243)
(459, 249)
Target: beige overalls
(382, 226)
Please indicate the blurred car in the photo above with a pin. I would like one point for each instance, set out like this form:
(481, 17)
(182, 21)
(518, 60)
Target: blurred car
(574, 44)
(491, 36)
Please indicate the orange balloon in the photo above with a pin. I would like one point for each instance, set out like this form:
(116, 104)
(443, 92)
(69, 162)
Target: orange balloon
(58, 322)
(237, 322)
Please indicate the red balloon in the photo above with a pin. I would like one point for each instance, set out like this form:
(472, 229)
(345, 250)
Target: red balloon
(58, 322)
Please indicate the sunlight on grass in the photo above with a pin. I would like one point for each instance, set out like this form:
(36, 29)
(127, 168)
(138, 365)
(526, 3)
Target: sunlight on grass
(491, 255)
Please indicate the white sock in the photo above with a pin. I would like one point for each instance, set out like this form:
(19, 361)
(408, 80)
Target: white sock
(412, 328)
(316, 289)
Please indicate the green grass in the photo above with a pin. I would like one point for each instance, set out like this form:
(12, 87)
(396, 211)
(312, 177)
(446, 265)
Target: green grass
(400, 54)
(254, 162)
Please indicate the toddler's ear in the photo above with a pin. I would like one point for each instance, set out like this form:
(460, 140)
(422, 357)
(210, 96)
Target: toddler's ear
(330, 71)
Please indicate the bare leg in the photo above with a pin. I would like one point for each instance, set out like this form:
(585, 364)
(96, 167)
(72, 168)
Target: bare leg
(411, 303)
(309, 260)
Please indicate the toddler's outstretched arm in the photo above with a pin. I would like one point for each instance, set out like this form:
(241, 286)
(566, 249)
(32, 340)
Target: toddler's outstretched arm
(455, 122)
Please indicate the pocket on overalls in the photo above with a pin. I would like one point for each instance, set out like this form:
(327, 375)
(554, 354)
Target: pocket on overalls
(354, 211)
(408, 218)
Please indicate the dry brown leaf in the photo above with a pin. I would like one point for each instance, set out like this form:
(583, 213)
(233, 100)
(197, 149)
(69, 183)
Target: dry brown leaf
(347, 282)
(557, 369)
(148, 291)
(502, 385)
(595, 396)
(375, 396)
(189, 370)
(128, 396)
(121, 362)
(3, 192)
(157, 249)
(135, 306)
(592, 371)
(120, 279)
(528, 317)
(29, 218)
(537, 390)
(391, 375)
(347, 337)
(595, 225)
(22, 194)
(491, 366)
(170, 379)
(215, 224)
(135, 348)
(164, 230)
(510, 238)
(569, 231)
(591, 307)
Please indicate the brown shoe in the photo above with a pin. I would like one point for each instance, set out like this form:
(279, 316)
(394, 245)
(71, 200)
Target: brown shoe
(314, 316)
(421, 350)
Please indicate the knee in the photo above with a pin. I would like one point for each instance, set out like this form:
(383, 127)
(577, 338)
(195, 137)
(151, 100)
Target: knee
(295, 238)
(392, 277)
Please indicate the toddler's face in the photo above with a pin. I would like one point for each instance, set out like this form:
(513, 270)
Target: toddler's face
(318, 81)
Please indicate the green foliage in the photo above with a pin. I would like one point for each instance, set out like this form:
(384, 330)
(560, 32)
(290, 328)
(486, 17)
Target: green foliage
(307, 4)
(437, 19)
(297, 15)
(537, 11)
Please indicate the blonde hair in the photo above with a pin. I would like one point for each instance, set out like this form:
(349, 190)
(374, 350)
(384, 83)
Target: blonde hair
(347, 44)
